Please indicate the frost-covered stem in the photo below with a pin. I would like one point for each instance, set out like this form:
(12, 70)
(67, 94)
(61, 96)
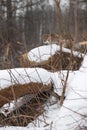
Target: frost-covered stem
(64, 88)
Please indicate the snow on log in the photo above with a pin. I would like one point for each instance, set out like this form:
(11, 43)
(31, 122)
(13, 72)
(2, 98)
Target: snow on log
(51, 58)
(39, 55)
(18, 82)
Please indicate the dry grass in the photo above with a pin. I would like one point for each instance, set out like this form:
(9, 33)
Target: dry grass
(29, 111)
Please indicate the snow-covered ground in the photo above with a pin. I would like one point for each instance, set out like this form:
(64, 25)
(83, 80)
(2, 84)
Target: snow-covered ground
(72, 114)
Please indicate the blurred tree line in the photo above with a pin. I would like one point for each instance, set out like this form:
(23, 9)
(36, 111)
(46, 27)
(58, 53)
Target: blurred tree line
(23, 22)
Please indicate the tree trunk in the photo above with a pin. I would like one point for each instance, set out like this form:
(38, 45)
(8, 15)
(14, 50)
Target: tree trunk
(9, 21)
(76, 23)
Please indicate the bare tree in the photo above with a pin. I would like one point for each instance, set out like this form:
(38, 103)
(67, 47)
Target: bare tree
(57, 2)
(76, 22)
(9, 20)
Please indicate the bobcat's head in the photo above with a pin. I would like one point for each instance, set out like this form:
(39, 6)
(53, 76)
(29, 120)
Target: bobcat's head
(57, 39)
(50, 38)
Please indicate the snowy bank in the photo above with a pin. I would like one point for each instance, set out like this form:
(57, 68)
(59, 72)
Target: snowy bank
(73, 113)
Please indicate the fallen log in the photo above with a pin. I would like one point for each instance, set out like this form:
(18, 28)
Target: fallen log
(18, 90)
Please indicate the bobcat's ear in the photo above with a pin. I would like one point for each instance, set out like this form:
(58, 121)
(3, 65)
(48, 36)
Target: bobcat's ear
(46, 38)
(50, 38)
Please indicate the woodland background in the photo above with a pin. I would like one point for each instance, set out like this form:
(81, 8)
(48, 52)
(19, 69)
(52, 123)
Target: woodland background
(23, 22)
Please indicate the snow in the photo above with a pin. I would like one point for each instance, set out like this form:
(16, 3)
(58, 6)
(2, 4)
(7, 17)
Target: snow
(75, 106)
(23, 75)
(64, 5)
(43, 53)
(84, 65)
(59, 78)
(51, 2)
(72, 114)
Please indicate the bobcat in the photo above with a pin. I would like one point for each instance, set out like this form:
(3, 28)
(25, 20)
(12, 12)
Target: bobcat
(51, 38)
(57, 39)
